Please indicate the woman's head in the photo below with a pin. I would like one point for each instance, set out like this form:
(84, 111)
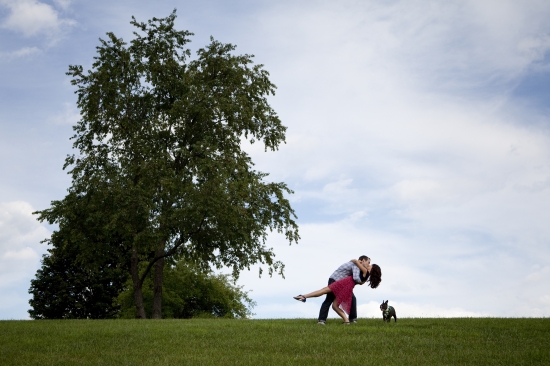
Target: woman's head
(375, 276)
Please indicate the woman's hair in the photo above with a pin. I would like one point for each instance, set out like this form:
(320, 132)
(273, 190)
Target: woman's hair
(375, 276)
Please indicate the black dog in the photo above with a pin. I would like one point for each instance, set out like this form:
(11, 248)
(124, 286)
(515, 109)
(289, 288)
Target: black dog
(387, 311)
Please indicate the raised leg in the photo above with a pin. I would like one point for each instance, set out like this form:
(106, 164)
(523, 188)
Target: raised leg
(321, 292)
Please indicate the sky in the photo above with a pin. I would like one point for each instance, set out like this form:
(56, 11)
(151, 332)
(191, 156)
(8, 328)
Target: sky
(418, 134)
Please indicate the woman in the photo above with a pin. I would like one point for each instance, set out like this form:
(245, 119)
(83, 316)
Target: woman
(343, 289)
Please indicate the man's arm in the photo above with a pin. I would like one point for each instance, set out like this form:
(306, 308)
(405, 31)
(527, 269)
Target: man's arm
(362, 268)
(356, 274)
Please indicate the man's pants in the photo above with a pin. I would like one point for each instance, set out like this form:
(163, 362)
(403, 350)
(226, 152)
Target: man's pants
(323, 313)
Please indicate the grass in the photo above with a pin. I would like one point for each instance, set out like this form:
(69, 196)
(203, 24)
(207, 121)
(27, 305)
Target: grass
(464, 341)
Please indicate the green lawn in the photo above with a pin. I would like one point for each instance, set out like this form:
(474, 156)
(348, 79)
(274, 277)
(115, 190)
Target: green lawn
(462, 341)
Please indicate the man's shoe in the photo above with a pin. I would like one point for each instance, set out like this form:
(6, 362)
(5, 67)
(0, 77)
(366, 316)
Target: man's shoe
(321, 323)
(354, 321)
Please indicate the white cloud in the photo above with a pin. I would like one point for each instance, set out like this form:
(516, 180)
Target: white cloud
(540, 275)
(20, 53)
(63, 4)
(545, 300)
(395, 108)
(418, 189)
(20, 255)
(31, 18)
(14, 304)
(69, 116)
(20, 248)
(337, 187)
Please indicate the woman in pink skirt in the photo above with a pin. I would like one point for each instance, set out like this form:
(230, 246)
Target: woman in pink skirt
(343, 289)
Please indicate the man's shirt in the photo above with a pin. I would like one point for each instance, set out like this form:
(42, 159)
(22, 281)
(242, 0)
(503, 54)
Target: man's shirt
(345, 270)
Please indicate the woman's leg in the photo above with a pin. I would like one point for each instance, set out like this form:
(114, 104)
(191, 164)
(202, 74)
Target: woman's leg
(321, 292)
(340, 312)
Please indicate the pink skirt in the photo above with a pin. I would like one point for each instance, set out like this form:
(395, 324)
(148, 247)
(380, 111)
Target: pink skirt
(343, 290)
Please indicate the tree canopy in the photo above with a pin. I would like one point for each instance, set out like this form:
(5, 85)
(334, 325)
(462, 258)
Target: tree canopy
(159, 143)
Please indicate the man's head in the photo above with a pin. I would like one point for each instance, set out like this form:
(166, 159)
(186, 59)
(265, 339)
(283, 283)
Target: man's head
(364, 260)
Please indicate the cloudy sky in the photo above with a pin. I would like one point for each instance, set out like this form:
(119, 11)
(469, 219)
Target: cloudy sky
(418, 134)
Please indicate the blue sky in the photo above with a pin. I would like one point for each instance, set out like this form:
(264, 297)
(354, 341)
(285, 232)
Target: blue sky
(418, 134)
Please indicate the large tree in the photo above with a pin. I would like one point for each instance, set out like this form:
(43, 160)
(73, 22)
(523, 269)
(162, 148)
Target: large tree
(160, 134)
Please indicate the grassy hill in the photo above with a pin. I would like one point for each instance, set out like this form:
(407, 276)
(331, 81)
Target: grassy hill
(461, 341)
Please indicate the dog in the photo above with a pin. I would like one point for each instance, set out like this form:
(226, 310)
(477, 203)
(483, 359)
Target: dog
(387, 311)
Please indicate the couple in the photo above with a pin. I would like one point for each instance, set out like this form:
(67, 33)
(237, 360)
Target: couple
(340, 288)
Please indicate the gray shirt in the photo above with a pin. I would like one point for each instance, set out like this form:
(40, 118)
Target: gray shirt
(345, 270)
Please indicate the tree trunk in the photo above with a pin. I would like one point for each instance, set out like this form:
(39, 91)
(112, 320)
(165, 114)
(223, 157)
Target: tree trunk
(138, 295)
(157, 285)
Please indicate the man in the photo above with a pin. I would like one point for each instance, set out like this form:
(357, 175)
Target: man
(345, 270)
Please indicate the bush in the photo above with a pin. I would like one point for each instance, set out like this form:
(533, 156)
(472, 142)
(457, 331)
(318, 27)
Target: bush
(66, 289)
(189, 292)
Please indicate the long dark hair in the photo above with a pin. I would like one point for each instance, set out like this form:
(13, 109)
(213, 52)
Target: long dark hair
(375, 276)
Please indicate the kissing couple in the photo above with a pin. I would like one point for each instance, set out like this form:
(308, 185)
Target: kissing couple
(340, 288)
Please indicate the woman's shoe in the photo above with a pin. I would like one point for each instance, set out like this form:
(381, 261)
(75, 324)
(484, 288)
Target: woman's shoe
(300, 298)
(345, 323)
